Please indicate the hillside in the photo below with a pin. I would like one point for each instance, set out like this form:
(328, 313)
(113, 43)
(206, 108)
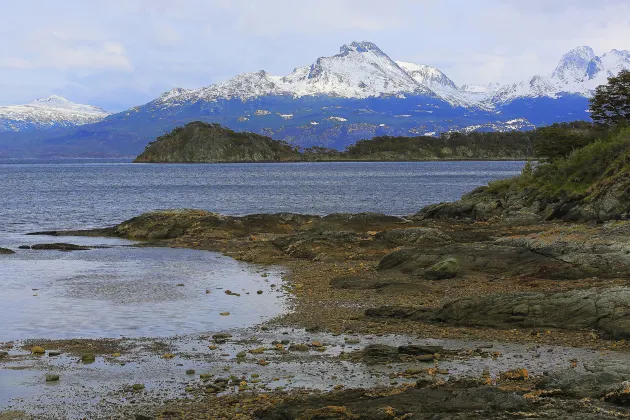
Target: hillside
(591, 184)
(201, 142)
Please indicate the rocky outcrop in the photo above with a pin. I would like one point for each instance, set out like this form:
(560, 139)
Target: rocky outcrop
(414, 236)
(5, 251)
(606, 310)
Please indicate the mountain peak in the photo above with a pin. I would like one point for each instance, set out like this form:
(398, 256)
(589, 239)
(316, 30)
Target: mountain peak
(360, 47)
(575, 65)
(50, 101)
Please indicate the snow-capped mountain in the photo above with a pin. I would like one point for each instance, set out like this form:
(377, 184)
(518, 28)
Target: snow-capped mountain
(356, 94)
(579, 72)
(360, 70)
(53, 111)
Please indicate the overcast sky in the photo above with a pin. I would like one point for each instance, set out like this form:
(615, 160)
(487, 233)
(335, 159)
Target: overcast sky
(121, 53)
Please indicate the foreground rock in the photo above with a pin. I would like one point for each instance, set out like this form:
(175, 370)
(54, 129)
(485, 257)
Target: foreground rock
(60, 247)
(5, 251)
(606, 310)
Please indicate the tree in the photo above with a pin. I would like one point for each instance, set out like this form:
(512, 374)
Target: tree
(611, 103)
(557, 141)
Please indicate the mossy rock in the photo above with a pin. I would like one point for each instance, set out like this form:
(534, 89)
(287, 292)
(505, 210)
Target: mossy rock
(444, 269)
(88, 358)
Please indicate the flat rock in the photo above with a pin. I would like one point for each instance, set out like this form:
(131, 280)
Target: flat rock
(603, 309)
(414, 236)
(60, 247)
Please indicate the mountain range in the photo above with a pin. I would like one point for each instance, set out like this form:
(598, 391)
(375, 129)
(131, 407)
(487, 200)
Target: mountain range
(359, 93)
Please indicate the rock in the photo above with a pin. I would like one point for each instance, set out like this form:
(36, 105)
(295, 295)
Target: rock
(4, 354)
(224, 313)
(403, 312)
(137, 387)
(603, 309)
(221, 337)
(515, 375)
(88, 358)
(415, 236)
(241, 354)
(599, 379)
(143, 417)
(424, 381)
(52, 377)
(260, 292)
(37, 350)
(168, 356)
(298, 347)
(353, 282)
(24, 247)
(190, 371)
(445, 269)
(60, 247)
(5, 251)
(53, 353)
(379, 353)
(395, 259)
(416, 350)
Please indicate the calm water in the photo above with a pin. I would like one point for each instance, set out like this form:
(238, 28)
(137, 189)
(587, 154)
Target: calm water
(130, 291)
(51, 196)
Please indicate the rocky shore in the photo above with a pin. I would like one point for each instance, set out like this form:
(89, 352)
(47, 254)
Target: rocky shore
(484, 280)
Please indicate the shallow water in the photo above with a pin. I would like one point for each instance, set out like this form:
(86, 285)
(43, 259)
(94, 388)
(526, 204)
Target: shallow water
(128, 291)
(95, 390)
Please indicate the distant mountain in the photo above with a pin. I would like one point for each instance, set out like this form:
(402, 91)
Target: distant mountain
(359, 93)
(53, 111)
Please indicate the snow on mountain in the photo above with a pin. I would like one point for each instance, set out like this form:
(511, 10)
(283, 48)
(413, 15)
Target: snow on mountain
(440, 84)
(360, 70)
(573, 66)
(48, 112)
(579, 72)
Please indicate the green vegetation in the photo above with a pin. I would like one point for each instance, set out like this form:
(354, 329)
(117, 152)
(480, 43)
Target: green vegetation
(611, 103)
(202, 142)
(577, 174)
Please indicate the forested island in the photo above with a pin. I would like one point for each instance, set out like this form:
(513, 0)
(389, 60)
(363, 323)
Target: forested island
(199, 142)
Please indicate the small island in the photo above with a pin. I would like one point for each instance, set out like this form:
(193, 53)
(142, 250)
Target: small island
(199, 142)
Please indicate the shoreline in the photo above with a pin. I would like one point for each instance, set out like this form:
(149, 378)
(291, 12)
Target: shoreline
(340, 290)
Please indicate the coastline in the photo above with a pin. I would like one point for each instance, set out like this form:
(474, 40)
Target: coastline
(341, 290)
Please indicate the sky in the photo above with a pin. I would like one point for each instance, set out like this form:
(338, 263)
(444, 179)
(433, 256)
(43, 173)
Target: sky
(120, 53)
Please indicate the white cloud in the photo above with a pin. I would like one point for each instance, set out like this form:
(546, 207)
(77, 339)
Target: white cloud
(103, 46)
(15, 63)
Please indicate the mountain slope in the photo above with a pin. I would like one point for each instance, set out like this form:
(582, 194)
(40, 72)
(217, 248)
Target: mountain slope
(53, 111)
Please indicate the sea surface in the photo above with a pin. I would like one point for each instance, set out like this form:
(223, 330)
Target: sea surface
(120, 289)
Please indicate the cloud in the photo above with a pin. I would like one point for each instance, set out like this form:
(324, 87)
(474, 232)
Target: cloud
(166, 35)
(15, 63)
(139, 48)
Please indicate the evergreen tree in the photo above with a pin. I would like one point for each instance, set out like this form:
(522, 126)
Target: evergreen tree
(611, 103)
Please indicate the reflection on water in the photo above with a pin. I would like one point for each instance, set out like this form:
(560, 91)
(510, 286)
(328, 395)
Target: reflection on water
(128, 291)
